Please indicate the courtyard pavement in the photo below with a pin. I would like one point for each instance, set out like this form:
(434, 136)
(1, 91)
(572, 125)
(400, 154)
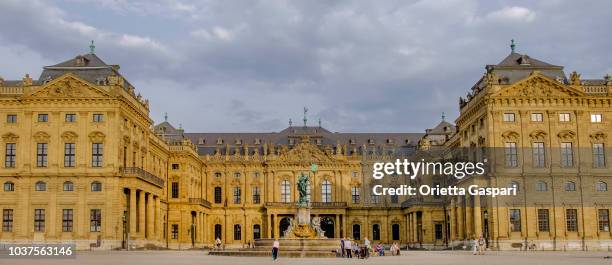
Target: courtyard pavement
(414, 257)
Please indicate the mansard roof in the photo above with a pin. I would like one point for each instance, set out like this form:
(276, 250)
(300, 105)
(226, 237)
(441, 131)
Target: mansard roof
(89, 67)
(517, 66)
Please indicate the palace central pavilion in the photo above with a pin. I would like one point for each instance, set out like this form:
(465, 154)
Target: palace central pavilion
(82, 162)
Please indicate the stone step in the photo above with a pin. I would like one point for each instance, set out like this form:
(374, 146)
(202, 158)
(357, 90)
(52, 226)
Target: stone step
(268, 253)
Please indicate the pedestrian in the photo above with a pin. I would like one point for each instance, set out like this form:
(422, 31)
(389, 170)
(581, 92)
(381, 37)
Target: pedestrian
(481, 245)
(356, 249)
(342, 246)
(366, 242)
(275, 249)
(218, 243)
(349, 248)
(474, 246)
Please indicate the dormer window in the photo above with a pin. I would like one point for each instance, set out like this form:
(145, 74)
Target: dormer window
(351, 141)
(318, 141)
(389, 141)
(81, 61)
(407, 141)
(219, 141)
(238, 141)
(291, 141)
(202, 141)
(371, 141)
(257, 141)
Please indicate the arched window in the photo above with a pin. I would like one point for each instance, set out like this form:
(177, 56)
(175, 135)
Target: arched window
(237, 232)
(541, 186)
(326, 193)
(9, 186)
(514, 184)
(256, 231)
(601, 186)
(285, 191)
(68, 186)
(218, 175)
(218, 231)
(570, 186)
(376, 232)
(357, 232)
(395, 232)
(96, 186)
(237, 175)
(40, 186)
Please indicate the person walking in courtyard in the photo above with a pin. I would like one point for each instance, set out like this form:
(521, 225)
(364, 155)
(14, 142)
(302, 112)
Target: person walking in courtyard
(218, 243)
(342, 246)
(368, 247)
(275, 249)
(349, 248)
(481, 245)
(474, 246)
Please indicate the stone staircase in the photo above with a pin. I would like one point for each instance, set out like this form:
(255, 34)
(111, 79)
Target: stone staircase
(292, 248)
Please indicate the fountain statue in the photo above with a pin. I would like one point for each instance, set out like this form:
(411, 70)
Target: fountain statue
(305, 227)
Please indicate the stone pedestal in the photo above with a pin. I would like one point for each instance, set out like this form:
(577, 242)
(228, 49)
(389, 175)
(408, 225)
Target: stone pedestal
(303, 216)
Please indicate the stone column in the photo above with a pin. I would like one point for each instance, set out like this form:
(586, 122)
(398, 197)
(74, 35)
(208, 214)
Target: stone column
(150, 219)
(275, 226)
(468, 218)
(269, 225)
(157, 225)
(337, 226)
(477, 217)
(133, 212)
(345, 226)
(453, 220)
(460, 224)
(141, 214)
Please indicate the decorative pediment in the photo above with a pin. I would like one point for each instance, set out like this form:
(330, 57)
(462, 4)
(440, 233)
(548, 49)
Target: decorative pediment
(510, 136)
(42, 137)
(305, 152)
(566, 135)
(598, 137)
(538, 85)
(538, 135)
(68, 86)
(10, 137)
(69, 136)
(96, 137)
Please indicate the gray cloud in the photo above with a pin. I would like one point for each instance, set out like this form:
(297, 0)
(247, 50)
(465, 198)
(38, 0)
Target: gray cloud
(252, 65)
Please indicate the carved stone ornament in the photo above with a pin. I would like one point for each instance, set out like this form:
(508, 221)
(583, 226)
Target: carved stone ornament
(566, 135)
(67, 88)
(69, 136)
(510, 136)
(598, 137)
(304, 152)
(96, 137)
(41, 137)
(538, 135)
(10, 137)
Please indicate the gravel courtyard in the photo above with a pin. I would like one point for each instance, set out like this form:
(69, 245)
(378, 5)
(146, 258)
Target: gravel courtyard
(416, 257)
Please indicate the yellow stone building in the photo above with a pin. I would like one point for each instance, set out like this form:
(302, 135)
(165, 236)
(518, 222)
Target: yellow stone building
(82, 162)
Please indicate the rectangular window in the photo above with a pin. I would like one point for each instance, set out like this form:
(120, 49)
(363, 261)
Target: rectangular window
(43, 117)
(237, 232)
(175, 166)
(175, 231)
(571, 220)
(10, 156)
(538, 154)
(95, 223)
(175, 190)
(543, 225)
(438, 232)
(69, 154)
(603, 216)
(97, 117)
(567, 155)
(256, 195)
(39, 220)
(599, 156)
(537, 117)
(67, 220)
(217, 194)
(509, 117)
(41, 154)
(97, 154)
(596, 118)
(511, 154)
(237, 195)
(355, 194)
(70, 117)
(375, 199)
(515, 220)
(11, 118)
(565, 117)
(7, 220)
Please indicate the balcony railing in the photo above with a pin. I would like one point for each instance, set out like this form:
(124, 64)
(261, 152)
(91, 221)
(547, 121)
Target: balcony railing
(312, 204)
(143, 175)
(200, 201)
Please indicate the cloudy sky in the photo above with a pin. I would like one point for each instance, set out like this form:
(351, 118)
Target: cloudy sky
(359, 66)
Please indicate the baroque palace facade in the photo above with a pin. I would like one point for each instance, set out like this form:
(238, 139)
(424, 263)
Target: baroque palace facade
(84, 163)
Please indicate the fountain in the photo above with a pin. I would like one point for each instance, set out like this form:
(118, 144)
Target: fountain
(305, 226)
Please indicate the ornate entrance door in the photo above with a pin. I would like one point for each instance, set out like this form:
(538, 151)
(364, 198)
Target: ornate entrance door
(327, 224)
